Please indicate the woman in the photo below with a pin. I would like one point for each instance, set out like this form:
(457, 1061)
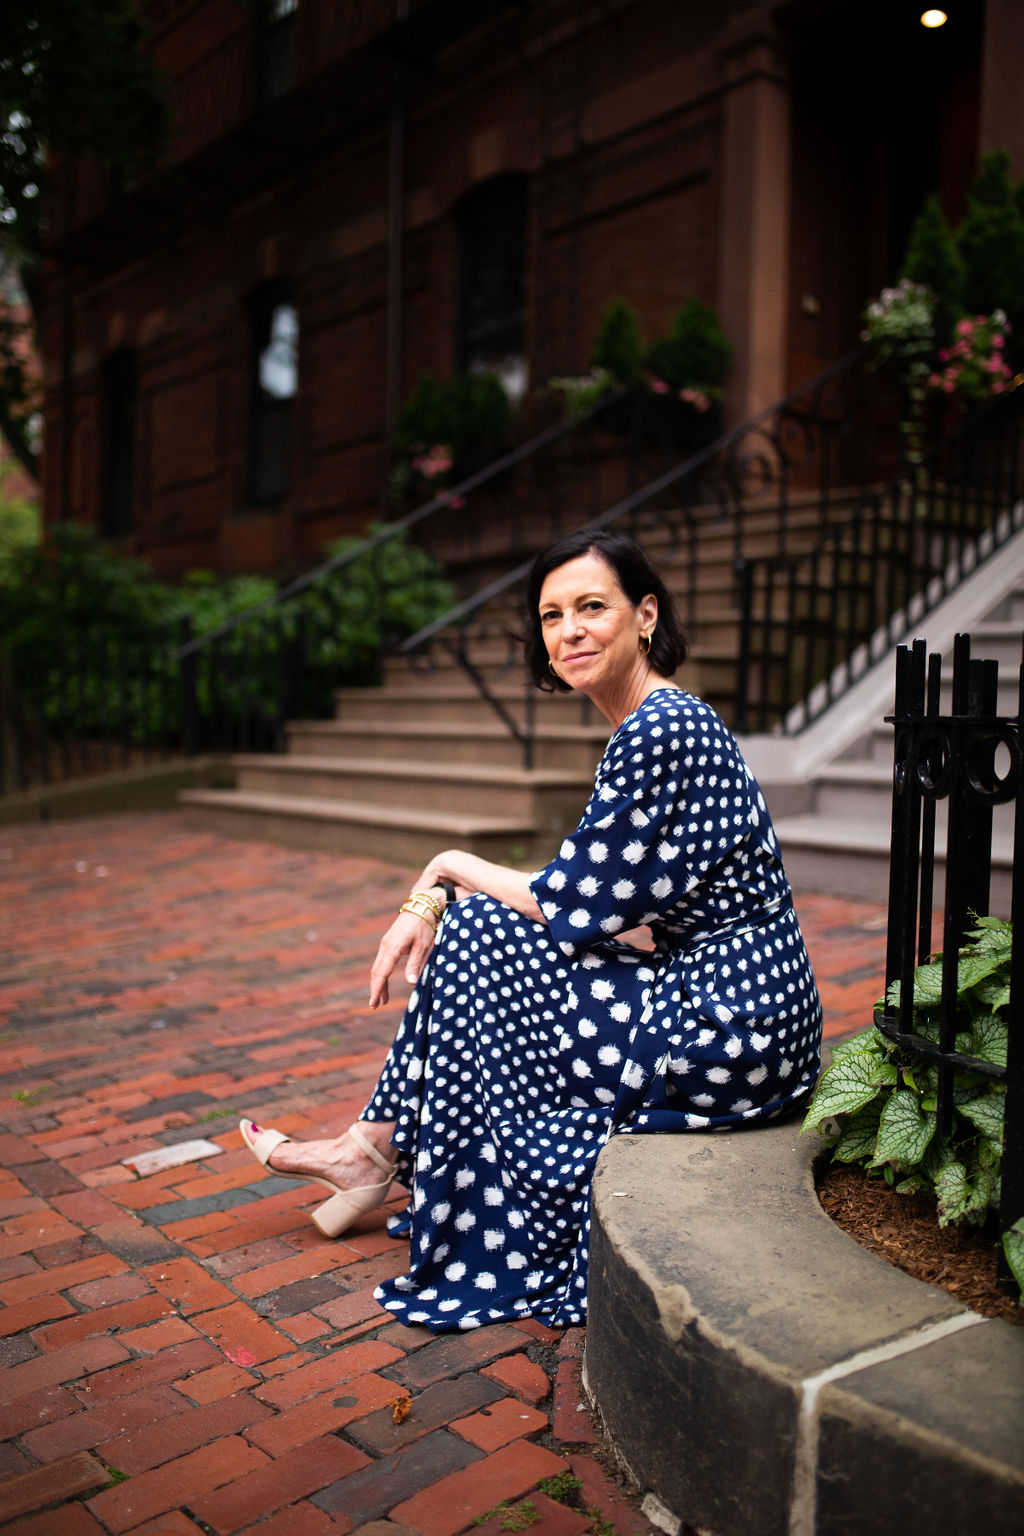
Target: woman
(533, 1033)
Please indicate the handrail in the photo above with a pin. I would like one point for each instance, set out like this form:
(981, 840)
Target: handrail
(418, 515)
(929, 501)
(636, 499)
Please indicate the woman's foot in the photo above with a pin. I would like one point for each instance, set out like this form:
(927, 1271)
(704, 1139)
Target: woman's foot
(338, 1160)
(349, 1165)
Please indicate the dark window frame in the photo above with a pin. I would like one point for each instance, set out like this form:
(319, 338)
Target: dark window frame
(275, 49)
(269, 470)
(120, 393)
(492, 235)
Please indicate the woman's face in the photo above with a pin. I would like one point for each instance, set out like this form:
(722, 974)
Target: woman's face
(591, 629)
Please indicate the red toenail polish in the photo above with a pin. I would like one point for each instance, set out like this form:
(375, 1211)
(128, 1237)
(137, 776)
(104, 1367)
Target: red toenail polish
(254, 1125)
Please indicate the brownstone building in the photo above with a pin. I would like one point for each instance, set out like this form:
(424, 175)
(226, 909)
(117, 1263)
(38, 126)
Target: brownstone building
(360, 190)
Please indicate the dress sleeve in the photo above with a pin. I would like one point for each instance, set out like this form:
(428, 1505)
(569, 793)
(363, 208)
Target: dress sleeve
(672, 798)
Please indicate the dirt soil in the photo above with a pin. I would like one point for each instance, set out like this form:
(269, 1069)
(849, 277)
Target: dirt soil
(904, 1230)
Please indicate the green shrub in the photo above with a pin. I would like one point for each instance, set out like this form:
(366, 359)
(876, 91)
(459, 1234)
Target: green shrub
(991, 245)
(883, 1100)
(464, 413)
(619, 347)
(20, 523)
(694, 354)
(933, 260)
(92, 636)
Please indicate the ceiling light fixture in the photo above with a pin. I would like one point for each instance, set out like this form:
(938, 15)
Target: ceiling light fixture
(933, 18)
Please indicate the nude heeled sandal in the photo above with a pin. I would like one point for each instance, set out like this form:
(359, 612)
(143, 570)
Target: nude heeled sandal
(345, 1206)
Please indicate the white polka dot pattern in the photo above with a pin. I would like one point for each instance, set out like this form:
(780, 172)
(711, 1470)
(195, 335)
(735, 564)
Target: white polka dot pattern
(525, 1045)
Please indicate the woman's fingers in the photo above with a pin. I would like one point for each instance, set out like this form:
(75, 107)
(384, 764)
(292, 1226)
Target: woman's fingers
(408, 935)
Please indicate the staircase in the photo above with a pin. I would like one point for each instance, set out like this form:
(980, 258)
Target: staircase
(830, 790)
(424, 762)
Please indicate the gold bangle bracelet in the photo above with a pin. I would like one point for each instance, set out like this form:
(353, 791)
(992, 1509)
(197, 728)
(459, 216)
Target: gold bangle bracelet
(433, 902)
(417, 911)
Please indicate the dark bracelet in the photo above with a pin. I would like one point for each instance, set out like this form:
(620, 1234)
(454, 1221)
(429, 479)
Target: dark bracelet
(449, 891)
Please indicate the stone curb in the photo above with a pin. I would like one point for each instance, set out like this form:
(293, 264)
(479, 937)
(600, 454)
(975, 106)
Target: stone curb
(153, 786)
(719, 1294)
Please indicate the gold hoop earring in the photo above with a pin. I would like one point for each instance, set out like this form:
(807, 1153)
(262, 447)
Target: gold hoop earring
(647, 647)
(551, 667)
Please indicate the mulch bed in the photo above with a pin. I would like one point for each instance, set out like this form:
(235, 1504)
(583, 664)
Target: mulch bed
(904, 1230)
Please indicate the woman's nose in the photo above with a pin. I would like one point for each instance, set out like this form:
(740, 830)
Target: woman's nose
(570, 623)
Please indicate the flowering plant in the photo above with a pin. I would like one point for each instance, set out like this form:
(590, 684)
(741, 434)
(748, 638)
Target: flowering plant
(700, 399)
(900, 322)
(975, 362)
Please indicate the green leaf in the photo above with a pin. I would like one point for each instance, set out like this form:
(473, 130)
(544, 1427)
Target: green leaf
(989, 1039)
(849, 1083)
(993, 993)
(870, 1039)
(1013, 1247)
(911, 1186)
(954, 1191)
(973, 968)
(903, 1131)
(928, 984)
(986, 1113)
(858, 1135)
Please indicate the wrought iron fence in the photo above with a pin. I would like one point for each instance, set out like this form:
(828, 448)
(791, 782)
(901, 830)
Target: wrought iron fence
(84, 700)
(813, 621)
(973, 759)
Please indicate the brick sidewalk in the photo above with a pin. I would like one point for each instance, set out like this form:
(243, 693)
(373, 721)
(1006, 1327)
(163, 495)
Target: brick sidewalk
(183, 1352)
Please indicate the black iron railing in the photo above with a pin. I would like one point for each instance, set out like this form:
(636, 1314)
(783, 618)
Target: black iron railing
(814, 621)
(973, 759)
(779, 479)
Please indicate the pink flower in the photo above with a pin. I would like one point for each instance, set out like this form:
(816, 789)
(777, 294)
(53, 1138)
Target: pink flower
(997, 387)
(949, 386)
(934, 380)
(659, 387)
(997, 340)
(457, 502)
(964, 327)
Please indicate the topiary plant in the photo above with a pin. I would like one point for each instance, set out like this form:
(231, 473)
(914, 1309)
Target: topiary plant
(619, 347)
(991, 244)
(694, 354)
(933, 261)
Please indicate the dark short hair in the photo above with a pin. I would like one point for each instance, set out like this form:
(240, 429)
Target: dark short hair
(635, 575)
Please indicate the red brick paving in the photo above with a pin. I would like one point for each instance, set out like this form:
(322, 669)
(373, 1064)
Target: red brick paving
(187, 1354)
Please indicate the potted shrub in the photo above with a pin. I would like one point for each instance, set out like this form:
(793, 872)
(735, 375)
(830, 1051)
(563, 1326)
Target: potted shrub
(448, 429)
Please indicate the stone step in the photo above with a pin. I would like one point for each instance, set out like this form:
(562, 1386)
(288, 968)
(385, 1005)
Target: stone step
(825, 853)
(572, 748)
(370, 830)
(549, 799)
(862, 792)
(458, 703)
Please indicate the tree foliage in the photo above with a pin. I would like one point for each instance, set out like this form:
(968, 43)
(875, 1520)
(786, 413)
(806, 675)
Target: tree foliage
(75, 79)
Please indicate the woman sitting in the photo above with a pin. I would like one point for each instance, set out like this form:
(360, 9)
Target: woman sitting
(533, 1032)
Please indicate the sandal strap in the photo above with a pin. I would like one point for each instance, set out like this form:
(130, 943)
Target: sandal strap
(366, 1146)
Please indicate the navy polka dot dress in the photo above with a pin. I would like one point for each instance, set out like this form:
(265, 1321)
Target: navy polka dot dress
(526, 1044)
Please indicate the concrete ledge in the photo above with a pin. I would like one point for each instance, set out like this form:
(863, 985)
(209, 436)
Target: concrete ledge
(719, 1294)
(152, 787)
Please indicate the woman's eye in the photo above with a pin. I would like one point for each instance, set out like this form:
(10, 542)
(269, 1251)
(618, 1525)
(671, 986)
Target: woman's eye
(593, 606)
(551, 617)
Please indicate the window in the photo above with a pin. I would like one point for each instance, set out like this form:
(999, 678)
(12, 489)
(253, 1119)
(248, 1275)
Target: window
(275, 48)
(492, 248)
(119, 388)
(275, 380)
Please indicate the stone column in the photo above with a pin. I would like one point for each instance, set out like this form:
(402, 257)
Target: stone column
(754, 220)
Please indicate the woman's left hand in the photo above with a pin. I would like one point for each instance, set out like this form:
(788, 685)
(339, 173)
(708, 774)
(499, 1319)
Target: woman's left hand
(410, 936)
